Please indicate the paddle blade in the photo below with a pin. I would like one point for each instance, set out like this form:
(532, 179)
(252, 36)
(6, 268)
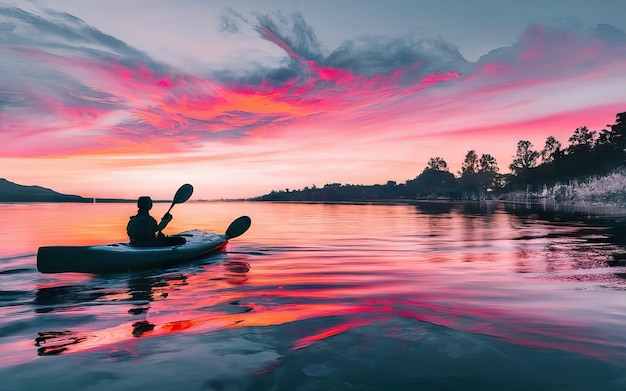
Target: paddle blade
(238, 227)
(183, 194)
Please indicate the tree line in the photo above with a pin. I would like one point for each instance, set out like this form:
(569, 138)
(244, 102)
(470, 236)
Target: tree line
(588, 153)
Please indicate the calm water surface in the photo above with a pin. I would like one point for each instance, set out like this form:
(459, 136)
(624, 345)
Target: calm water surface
(323, 297)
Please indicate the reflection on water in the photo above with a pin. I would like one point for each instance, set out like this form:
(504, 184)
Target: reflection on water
(141, 295)
(320, 296)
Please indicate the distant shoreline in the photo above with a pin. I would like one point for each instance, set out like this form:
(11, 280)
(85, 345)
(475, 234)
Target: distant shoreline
(110, 201)
(329, 202)
(419, 201)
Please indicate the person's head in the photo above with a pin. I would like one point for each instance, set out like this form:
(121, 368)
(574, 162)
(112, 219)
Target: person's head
(144, 203)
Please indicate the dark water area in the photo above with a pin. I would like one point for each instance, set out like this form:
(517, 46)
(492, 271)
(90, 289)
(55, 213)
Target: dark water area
(434, 296)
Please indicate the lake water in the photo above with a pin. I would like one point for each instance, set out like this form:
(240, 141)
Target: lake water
(323, 297)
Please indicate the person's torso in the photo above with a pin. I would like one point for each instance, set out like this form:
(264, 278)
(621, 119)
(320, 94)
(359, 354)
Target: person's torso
(141, 228)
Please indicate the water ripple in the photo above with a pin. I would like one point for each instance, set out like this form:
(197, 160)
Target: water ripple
(294, 298)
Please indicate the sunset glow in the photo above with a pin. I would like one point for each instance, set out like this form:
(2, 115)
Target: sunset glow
(85, 113)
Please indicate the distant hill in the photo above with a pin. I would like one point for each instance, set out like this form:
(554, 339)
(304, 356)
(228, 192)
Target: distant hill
(12, 192)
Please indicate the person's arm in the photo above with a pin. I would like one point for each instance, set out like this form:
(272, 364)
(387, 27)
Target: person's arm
(164, 222)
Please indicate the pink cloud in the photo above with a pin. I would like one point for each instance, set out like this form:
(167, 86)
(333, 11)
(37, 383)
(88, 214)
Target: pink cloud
(84, 103)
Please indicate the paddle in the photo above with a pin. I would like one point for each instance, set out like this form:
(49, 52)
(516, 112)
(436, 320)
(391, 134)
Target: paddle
(182, 194)
(238, 227)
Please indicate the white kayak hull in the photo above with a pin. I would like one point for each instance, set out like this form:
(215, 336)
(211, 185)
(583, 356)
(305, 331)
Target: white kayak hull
(122, 257)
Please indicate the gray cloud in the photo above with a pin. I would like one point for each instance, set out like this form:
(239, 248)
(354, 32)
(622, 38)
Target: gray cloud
(555, 37)
(416, 56)
(367, 55)
(379, 55)
(33, 37)
(610, 34)
(228, 25)
(231, 21)
(55, 30)
(295, 32)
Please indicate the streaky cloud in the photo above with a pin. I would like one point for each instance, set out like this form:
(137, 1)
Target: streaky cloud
(291, 33)
(66, 80)
(56, 30)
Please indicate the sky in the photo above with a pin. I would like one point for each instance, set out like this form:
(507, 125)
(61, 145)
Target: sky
(123, 98)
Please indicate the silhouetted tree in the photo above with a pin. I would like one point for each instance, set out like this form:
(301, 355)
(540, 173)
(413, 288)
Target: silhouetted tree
(470, 164)
(605, 138)
(437, 163)
(432, 183)
(618, 131)
(552, 147)
(488, 163)
(525, 157)
(581, 140)
(478, 174)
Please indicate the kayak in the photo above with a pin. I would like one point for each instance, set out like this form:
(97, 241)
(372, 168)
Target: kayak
(124, 257)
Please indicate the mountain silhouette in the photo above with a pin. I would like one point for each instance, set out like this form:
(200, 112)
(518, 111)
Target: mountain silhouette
(12, 192)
